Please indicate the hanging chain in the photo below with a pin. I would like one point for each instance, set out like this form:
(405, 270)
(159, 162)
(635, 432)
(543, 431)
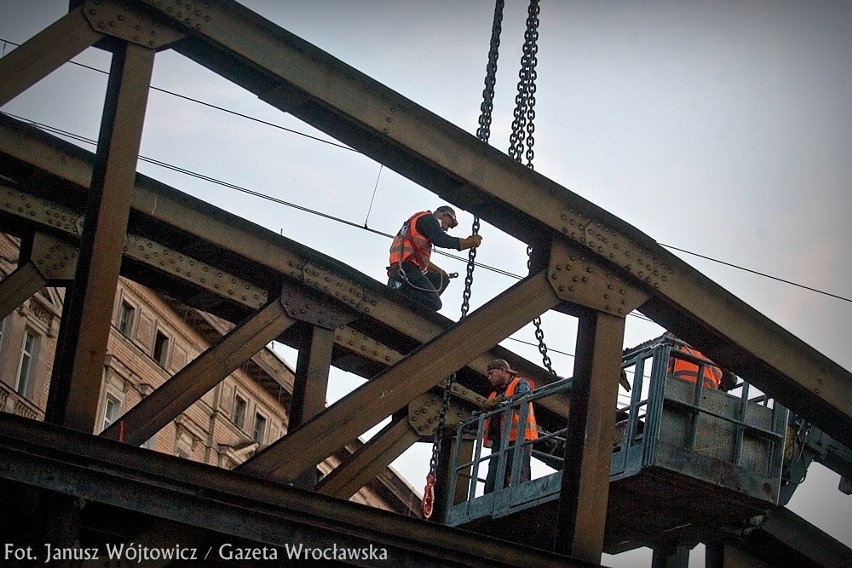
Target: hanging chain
(439, 426)
(484, 133)
(523, 131)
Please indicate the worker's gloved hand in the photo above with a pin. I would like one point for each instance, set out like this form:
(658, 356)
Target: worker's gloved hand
(472, 241)
(492, 403)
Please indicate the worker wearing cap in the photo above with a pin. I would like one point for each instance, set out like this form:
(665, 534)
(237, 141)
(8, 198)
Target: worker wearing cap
(508, 385)
(410, 267)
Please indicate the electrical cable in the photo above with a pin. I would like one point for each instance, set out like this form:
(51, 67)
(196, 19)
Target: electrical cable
(371, 230)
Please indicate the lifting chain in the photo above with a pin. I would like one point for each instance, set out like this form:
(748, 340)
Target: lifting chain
(483, 133)
(523, 130)
(523, 126)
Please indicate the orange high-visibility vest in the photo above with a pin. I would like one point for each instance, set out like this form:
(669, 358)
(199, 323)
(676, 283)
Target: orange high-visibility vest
(530, 432)
(409, 244)
(688, 371)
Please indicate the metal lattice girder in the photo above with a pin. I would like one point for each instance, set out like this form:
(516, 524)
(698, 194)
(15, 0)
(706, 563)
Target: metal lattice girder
(301, 79)
(158, 210)
(223, 502)
(304, 447)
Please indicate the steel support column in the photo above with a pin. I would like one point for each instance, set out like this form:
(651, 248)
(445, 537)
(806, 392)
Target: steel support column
(25, 66)
(302, 448)
(202, 374)
(310, 387)
(76, 382)
(583, 499)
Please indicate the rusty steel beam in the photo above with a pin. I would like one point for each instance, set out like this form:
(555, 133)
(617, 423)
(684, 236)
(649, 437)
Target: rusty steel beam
(581, 517)
(24, 66)
(75, 390)
(222, 502)
(304, 447)
(298, 78)
(369, 460)
(203, 373)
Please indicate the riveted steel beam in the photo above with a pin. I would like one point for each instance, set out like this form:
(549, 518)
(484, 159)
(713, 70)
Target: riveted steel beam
(198, 273)
(55, 262)
(305, 446)
(55, 258)
(49, 260)
(38, 57)
(358, 342)
(126, 21)
(314, 308)
(583, 279)
(423, 414)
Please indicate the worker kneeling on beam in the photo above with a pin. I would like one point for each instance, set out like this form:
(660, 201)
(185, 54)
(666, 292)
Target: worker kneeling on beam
(508, 385)
(410, 267)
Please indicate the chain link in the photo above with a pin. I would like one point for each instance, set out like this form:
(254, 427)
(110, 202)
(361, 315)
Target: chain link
(523, 131)
(439, 425)
(483, 132)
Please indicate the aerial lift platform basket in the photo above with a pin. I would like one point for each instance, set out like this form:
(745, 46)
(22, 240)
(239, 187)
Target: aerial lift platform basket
(687, 462)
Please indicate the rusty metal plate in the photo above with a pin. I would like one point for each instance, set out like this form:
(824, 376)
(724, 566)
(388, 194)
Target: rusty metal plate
(314, 308)
(579, 277)
(120, 20)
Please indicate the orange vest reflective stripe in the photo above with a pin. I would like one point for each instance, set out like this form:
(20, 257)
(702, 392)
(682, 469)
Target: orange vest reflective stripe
(410, 245)
(531, 431)
(688, 371)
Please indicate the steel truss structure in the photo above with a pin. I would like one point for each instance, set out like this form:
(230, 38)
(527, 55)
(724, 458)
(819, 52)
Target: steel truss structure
(87, 218)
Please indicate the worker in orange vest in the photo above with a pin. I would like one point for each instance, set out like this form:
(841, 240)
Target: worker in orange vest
(711, 375)
(507, 385)
(411, 269)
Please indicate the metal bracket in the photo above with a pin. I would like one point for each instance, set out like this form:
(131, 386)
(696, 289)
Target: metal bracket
(578, 278)
(54, 258)
(423, 414)
(118, 19)
(315, 309)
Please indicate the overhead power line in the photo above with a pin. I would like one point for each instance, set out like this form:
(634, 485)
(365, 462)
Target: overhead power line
(756, 272)
(364, 227)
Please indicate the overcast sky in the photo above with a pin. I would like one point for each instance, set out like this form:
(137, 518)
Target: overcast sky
(722, 128)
